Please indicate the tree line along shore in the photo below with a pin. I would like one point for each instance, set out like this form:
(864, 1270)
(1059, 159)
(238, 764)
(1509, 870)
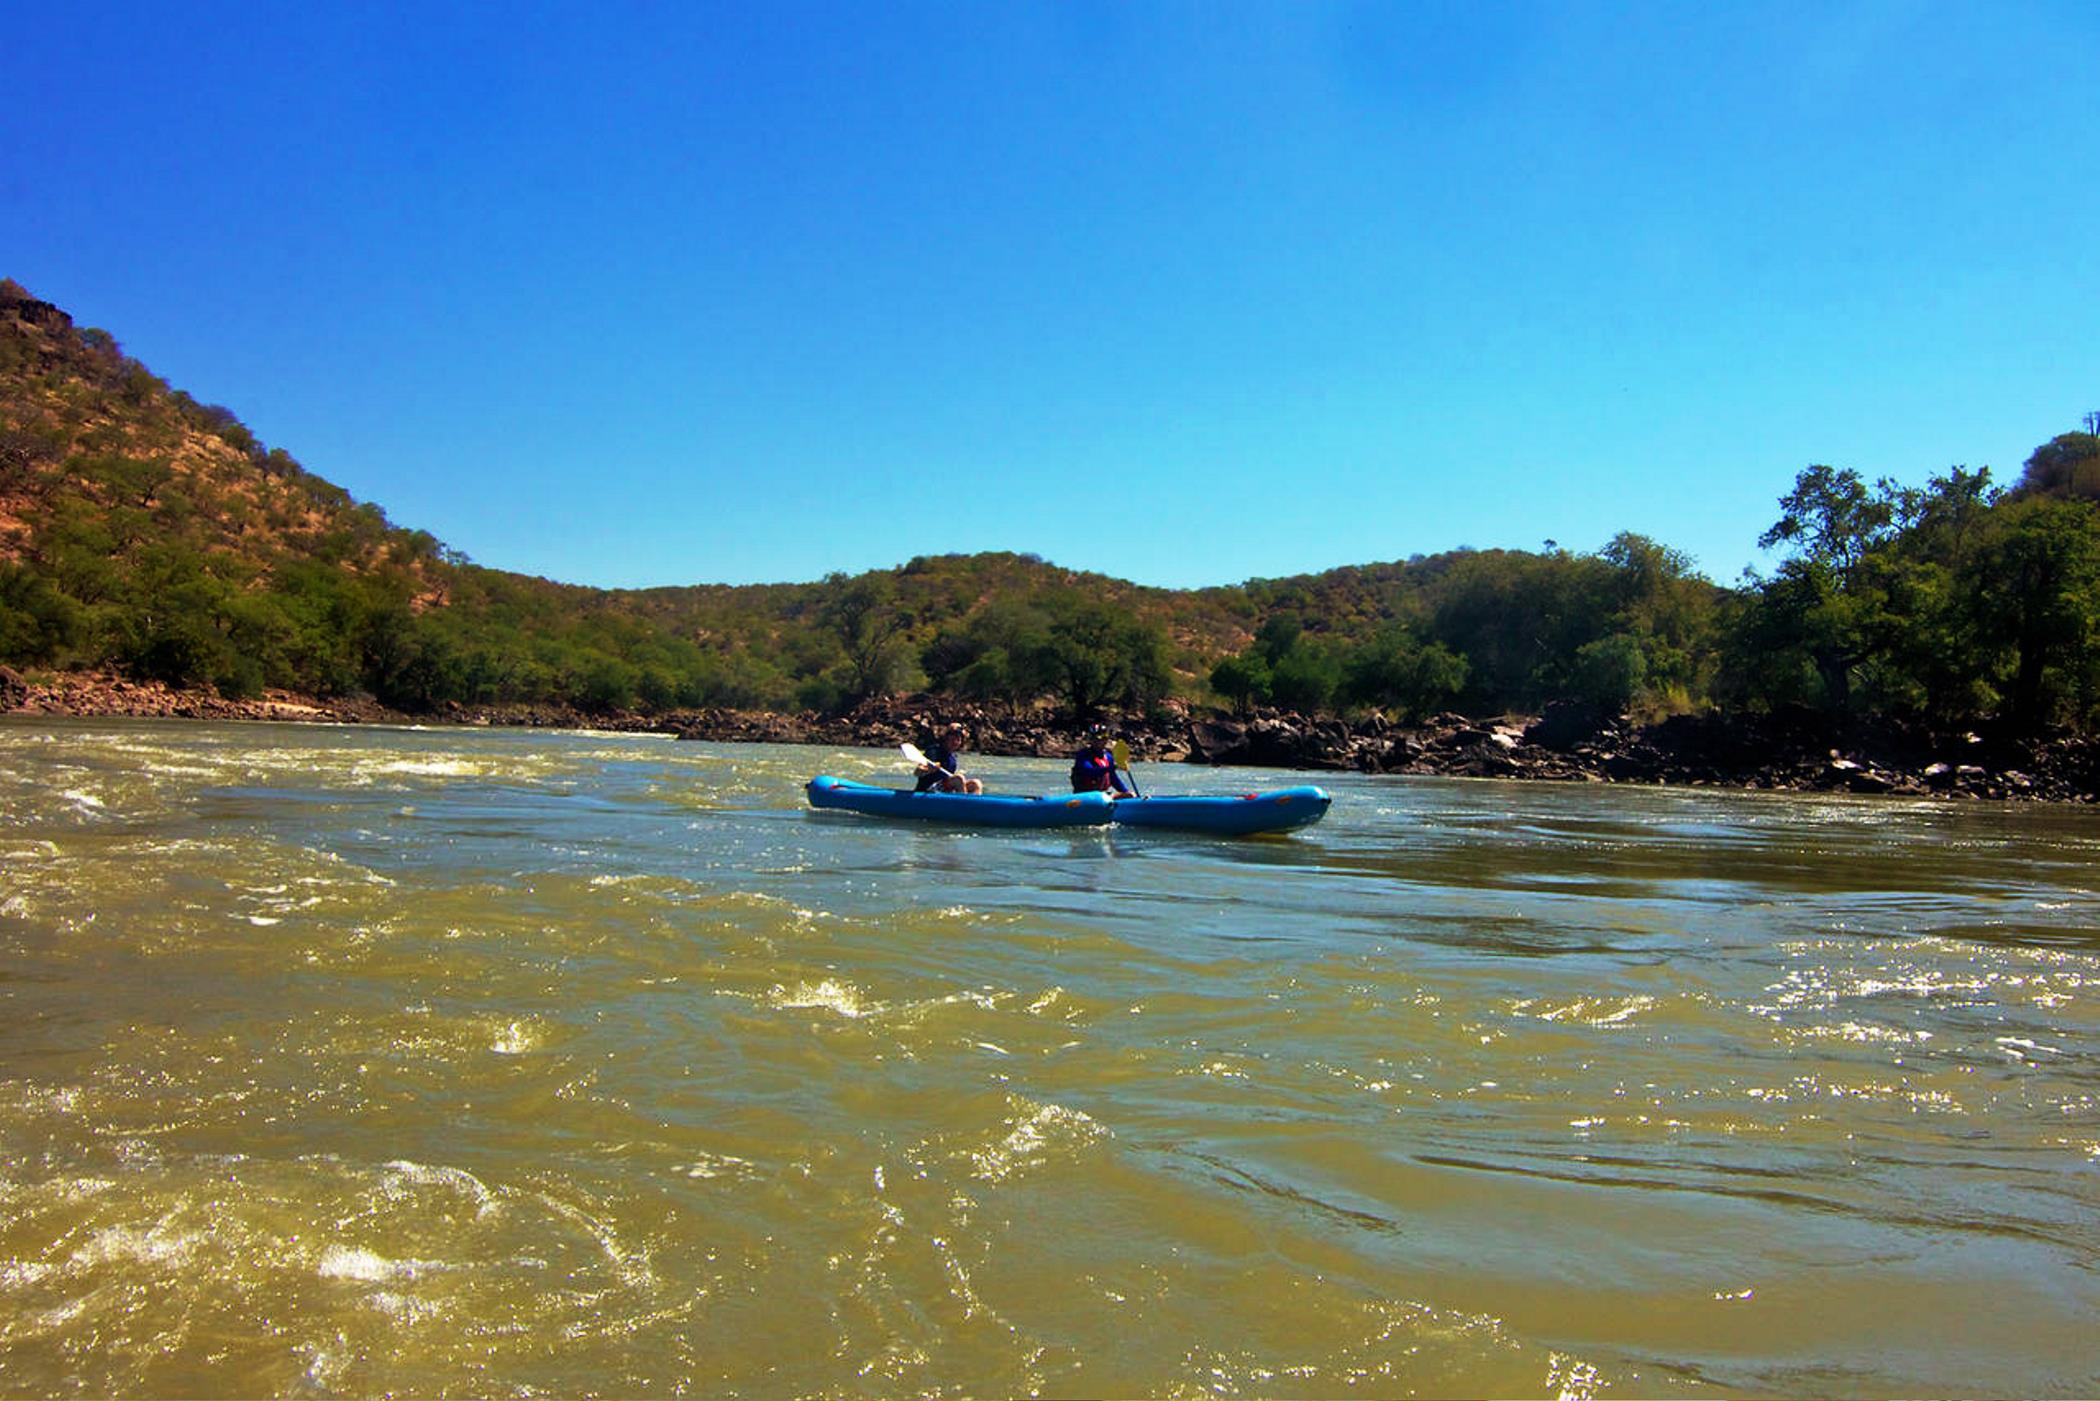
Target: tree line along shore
(157, 557)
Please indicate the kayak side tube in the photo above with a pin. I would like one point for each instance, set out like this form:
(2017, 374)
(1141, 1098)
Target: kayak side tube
(968, 809)
(1238, 815)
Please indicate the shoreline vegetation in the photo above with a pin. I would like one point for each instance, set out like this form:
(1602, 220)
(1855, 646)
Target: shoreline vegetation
(157, 558)
(1798, 751)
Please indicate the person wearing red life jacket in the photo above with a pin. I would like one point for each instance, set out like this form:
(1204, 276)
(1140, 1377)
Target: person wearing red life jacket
(1094, 767)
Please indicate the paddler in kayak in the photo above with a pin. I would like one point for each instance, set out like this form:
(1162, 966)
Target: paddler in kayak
(943, 770)
(1094, 767)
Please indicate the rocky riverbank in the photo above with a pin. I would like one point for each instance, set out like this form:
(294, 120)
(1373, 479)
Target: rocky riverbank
(1796, 751)
(91, 693)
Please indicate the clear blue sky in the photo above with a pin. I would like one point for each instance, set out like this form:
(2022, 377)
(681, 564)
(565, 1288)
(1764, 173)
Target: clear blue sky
(679, 293)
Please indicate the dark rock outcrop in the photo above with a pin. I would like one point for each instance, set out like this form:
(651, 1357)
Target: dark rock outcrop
(14, 299)
(1567, 724)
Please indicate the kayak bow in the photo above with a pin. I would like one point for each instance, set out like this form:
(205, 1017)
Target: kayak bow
(970, 809)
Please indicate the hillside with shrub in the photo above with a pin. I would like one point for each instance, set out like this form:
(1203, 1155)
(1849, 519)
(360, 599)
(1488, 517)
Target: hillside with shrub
(149, 534)
(146, 534)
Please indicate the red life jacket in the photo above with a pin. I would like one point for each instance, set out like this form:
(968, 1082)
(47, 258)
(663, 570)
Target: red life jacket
(1093, 772)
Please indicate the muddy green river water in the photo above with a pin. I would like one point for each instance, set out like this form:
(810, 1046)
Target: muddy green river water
(361, 1061)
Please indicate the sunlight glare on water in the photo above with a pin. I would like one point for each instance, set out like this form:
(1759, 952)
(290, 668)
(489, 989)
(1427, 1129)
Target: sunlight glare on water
(340, 1061)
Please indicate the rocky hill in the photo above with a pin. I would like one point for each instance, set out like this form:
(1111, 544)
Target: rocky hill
(153, 551)
(149, 535)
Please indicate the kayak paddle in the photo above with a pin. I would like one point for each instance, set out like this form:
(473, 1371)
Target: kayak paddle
(912, 752)
(1120, 752)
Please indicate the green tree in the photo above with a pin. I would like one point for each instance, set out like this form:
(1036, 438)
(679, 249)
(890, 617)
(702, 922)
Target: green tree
(1610, 672)
(1306, 676)
(1278, 635)
(1519, 620)
(409, 664)
(1668, 610)
(1828, 603)
(1395, 670)
(325, 611)
(1242, 679)
(1831, 518)
(1096, 656)
(1002, 654)
(871, 626)
(606, 685)
(2035, 584)
(38, 624)
(1932, 657)
(990, 676)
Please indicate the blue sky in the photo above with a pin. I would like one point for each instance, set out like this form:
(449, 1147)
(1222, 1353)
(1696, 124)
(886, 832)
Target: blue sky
(682, 293)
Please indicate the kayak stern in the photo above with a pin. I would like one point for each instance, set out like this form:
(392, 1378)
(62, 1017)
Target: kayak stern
(1238, 815)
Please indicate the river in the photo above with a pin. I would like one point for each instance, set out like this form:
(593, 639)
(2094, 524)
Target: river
(343, 1061)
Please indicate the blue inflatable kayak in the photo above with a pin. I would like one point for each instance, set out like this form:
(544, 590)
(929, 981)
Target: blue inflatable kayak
(1238, 815)
(978, 809)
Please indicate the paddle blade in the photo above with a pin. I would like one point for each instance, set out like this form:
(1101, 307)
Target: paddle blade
(911, 752)
(1120, 752)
